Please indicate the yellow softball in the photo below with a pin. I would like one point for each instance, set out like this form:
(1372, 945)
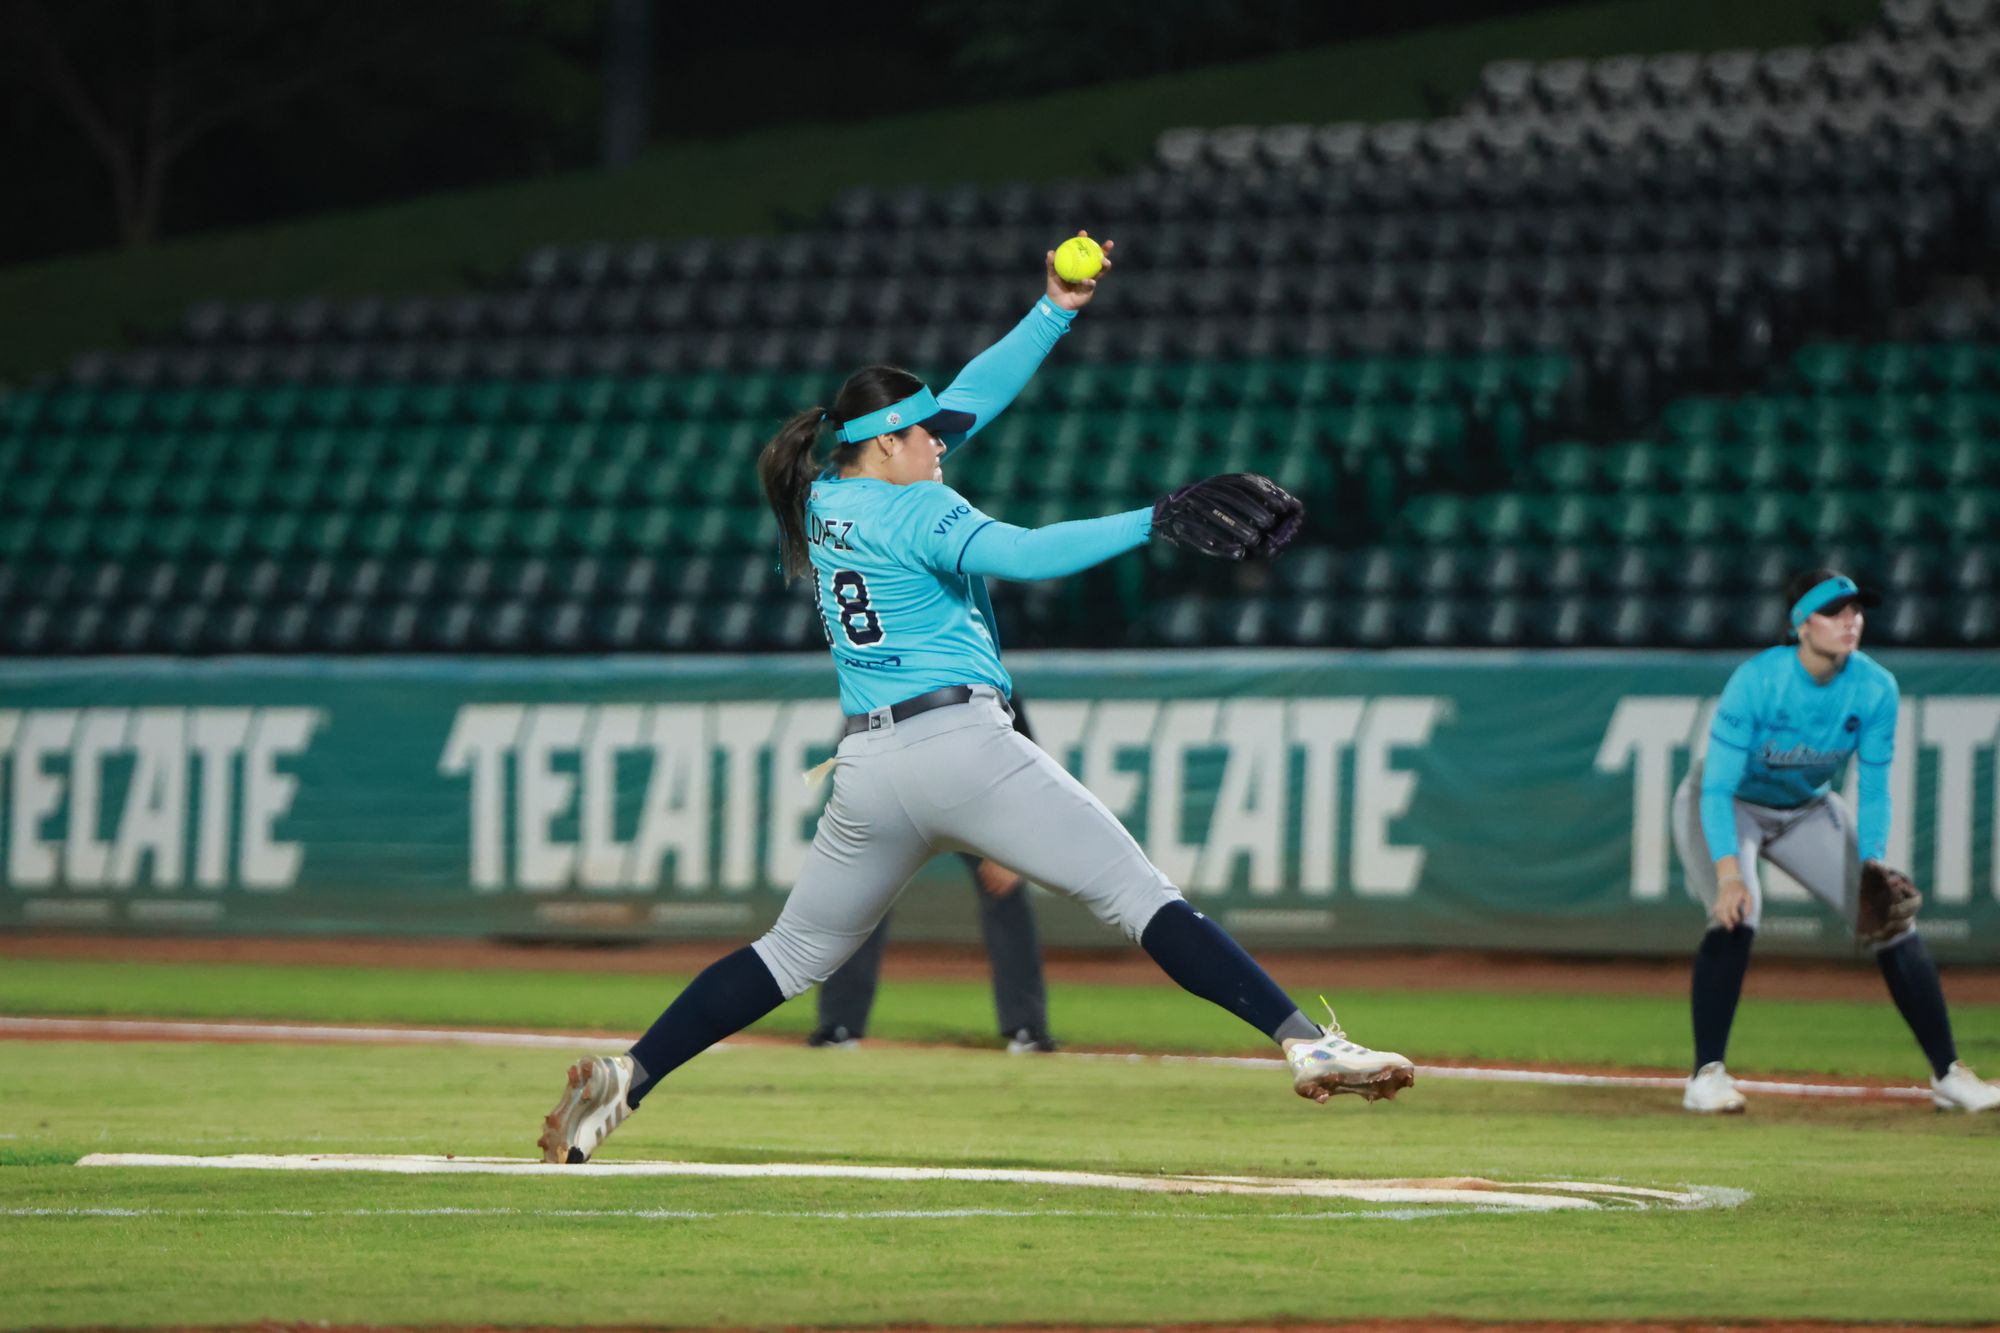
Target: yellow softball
(1079, 259)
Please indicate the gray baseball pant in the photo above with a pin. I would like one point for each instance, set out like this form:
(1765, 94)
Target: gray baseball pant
(954, 779)
(1814, 844)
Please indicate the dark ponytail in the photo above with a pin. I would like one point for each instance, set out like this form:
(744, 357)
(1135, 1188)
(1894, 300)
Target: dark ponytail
(788, 465)
(788, 468)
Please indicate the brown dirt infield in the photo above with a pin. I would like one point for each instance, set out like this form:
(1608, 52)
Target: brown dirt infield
(1781, 978)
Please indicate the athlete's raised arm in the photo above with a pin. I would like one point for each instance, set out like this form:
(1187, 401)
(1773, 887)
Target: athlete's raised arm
(994, 378)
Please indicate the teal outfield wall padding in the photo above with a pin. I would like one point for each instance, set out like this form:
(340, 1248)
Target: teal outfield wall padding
(1489, 800)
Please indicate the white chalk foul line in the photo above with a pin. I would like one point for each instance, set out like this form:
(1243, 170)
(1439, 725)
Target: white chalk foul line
(710, 1214)
(1488, 1195)
(159, 1030)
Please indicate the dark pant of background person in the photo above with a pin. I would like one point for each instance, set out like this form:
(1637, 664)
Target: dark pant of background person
(1020, 998)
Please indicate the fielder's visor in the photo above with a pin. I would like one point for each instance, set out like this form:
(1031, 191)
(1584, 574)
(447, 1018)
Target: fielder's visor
(1829, 596)
(919, 409)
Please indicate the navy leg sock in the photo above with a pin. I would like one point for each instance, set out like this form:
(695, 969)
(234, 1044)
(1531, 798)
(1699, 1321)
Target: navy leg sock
(731, 993)
(1913, 983)
(1719, 965)
(1200, 956)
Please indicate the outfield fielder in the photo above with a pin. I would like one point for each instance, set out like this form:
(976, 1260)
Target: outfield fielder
(1784, 729)
(929, 761)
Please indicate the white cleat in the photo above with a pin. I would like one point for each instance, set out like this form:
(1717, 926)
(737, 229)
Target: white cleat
(1712, 1092)
(1961, 1090)
(1332, 1064)
(591, 1107)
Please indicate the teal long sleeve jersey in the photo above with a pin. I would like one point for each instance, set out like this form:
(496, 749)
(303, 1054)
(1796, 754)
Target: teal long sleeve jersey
(1780, 739)
(898, 571)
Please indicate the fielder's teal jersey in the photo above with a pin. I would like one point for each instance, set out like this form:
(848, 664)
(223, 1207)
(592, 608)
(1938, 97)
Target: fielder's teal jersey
(1780, 738)
(901, 614)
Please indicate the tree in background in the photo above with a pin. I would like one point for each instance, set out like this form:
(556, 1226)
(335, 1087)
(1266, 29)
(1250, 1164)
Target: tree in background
(318, 101)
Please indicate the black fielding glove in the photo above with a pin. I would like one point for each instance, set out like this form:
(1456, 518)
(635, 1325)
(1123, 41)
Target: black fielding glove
(1236, 516)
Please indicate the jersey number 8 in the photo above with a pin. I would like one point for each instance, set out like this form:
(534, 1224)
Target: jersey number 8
(857, 619)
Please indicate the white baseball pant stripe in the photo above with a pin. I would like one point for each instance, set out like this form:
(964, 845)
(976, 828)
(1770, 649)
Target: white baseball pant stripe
(958, 778)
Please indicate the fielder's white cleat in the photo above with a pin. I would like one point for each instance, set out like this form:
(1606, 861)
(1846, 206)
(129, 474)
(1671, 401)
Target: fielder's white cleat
(591, 1107)
(1961, 1090)
(1332, 1064)
(1712, 1092)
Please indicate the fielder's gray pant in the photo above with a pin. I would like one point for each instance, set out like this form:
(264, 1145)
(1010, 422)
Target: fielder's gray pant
(1814, 844)
(954, 779)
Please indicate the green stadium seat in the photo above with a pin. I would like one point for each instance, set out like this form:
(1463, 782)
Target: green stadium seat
(118, 536)
(21, 409)
(120, 409)
(274, 534)
(1569, 468)
(172, 536)
(429, 404)
(1573, 520)
(429, 532)
(1510, 519)
(1636, 466)
(1694, 420)
(486, 403)
(133, 491)
(1882, 421)
(1422, 380)
(177, 409)
(1969, 515)
(1828, 464)
(1834, 517)
(647, 530)
(645, 398)
(1440, 519)
(17, 536)
(1960, 416)
(1888, 368)
(51, 454)
(325, 535)
(1774, 518)
(1363, 380)
(222, 536)
(1969, 463)
(1956, 367)
(293, 491)
(27, 493)
(82, 492)
(592, 531)
(1642, 520)
(64, 536)
(500, 485)
(1756, 421)
(1825, 368)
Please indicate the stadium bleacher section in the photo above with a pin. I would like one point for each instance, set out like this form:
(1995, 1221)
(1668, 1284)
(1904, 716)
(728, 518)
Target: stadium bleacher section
(1594, 362)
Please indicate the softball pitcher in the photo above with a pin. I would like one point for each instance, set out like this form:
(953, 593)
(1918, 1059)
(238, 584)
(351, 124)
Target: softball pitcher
(1786, 725)
(929, 761)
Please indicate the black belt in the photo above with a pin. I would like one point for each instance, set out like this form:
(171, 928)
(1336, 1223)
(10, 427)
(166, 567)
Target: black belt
(909, 708)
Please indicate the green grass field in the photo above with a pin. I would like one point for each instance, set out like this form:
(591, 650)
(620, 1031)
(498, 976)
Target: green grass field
(1858, 1210)
(1857, 1038)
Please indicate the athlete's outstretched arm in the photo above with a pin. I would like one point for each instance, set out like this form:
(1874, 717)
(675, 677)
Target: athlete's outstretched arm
(1875, 753)
(1007, 552)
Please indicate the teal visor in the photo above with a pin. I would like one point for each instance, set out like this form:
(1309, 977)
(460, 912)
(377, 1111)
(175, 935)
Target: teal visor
(919, 409)
(1824, 594)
